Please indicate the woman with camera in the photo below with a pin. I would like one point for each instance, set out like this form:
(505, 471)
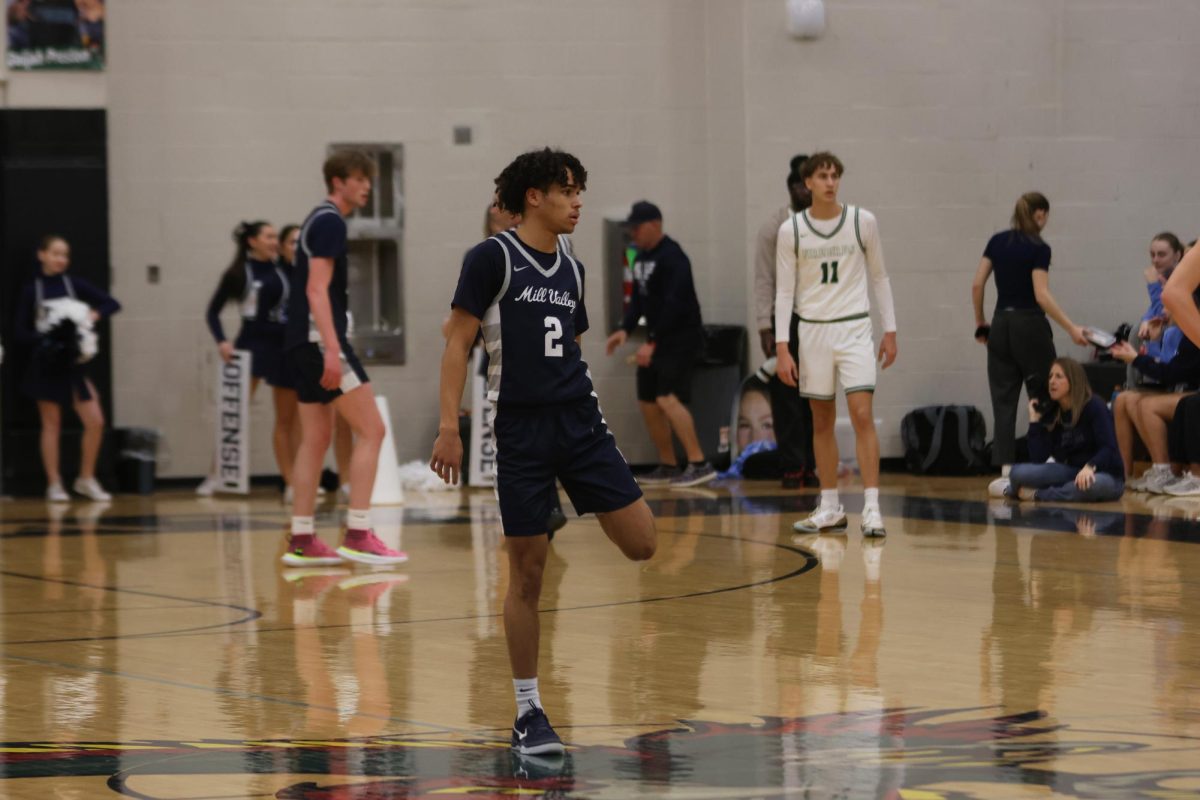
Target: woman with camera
(1074, 428)
(1019, 342)
(1151, 412)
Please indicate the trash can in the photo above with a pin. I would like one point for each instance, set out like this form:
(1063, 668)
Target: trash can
(720, 367)
(137, 460)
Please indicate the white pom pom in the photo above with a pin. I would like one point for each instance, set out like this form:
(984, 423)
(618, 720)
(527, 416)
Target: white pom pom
(806, 18)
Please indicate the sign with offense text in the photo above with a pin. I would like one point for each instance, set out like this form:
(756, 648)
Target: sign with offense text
(233, 423)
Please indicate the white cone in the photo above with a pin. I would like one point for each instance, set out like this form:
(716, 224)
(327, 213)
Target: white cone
(388, 489)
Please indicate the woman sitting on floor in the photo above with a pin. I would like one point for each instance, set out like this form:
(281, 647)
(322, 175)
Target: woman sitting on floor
(1077, 432)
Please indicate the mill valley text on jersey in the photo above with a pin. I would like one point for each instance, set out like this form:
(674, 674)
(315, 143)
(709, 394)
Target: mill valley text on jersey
(530, 303)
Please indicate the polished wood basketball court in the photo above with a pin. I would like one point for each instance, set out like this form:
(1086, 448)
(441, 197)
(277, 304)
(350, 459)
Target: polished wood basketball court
(156, 649)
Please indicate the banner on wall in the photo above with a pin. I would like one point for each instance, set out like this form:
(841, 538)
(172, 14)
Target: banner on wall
(233, 424)
(754, 449)
(481, 468)
(55, 34)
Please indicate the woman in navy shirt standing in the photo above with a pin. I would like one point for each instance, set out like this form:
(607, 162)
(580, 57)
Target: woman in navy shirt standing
(54, 386)
(1019, 342)
(261, 287)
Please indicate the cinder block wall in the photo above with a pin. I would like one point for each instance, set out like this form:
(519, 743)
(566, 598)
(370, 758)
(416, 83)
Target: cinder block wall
(220, 110)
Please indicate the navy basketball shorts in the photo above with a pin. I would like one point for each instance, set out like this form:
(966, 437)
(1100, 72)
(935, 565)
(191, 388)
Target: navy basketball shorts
(571, 443)
(307, 362)
(670, 372)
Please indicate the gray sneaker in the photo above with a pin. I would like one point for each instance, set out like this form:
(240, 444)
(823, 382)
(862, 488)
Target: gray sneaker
(659, 476)
(1186, 486)
(1141, 483)
(1159, 481)
(694, 475)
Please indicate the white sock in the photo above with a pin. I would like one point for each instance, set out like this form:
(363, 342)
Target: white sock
(1161, 467)
(829, 498)
(358, 519)
(528, 698)
(871, 498)
(1004, 470)
(303, 526)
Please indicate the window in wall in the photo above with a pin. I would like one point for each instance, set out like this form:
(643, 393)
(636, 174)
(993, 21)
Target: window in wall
(376, 275)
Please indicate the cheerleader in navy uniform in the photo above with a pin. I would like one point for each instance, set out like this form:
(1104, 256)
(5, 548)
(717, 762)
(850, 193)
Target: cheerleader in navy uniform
(261, 288)
(55, 377)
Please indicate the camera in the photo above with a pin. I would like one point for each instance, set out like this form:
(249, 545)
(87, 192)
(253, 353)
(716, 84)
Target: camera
(1044, 406)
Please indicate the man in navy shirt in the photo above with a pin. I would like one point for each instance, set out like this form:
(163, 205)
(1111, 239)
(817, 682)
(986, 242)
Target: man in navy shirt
(665, 294)
(329, 376)
(525, 289)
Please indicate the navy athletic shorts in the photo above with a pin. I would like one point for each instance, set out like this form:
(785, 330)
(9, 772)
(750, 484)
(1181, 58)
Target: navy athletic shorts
(307, 362)
(670, 372)
(568, 442)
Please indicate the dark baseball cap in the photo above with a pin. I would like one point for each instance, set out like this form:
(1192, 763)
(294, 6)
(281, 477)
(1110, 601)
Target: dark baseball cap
(643, 211)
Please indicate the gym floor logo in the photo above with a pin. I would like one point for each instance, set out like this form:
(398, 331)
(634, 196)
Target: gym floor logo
(903, 754)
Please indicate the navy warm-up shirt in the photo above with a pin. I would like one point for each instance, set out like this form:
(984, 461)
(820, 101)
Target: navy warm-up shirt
(1014, 257)
(666, 294)
(1091, 440)
(323, 235)
(531, 306)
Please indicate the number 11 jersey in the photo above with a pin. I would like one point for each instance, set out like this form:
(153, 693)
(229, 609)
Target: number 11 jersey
(531, 306)
(822, 266)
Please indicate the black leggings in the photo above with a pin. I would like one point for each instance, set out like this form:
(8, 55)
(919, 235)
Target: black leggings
(1183, 432)
(1020, 352)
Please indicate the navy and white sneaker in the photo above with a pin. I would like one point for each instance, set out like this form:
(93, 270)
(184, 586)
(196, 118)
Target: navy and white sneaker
(533, 736)
(694, 475)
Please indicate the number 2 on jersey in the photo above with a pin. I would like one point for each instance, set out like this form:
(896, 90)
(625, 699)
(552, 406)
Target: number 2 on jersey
(554, 334)
(829, 272)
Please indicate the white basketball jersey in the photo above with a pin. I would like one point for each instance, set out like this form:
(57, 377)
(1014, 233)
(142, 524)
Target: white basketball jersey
(831, 266)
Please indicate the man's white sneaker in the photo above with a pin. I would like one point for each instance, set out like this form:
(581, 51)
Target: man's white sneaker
(91, 489)
(207, 487)
(872, 522)
(823, 520)
(999, 487)
(55, 493)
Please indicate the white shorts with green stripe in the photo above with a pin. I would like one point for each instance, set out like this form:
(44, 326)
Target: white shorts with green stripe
(838, 351)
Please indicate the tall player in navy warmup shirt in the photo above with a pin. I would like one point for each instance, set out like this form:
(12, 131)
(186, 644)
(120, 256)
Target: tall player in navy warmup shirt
(329, 376)
(527, 292)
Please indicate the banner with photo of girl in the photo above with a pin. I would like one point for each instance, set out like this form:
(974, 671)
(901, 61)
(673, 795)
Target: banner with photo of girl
(755, 452)
(55, 34)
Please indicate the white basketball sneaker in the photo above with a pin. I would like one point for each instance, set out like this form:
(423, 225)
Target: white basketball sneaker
(823, 520)
(872, 522)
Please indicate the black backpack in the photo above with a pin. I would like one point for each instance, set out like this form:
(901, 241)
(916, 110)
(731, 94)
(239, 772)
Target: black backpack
(945, 440)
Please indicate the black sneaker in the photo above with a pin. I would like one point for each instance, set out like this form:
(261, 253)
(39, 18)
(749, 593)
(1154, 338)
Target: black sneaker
(694, 475)
(533, 736)
(659, 476)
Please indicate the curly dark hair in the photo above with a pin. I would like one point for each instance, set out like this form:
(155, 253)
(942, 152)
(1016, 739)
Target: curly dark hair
(537, 169)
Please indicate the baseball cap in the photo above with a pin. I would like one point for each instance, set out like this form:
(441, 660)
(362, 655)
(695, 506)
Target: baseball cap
(643, 211)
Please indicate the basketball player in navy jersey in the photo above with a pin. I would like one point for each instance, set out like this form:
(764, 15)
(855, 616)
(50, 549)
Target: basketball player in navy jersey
(527, 291)
(329, 376)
